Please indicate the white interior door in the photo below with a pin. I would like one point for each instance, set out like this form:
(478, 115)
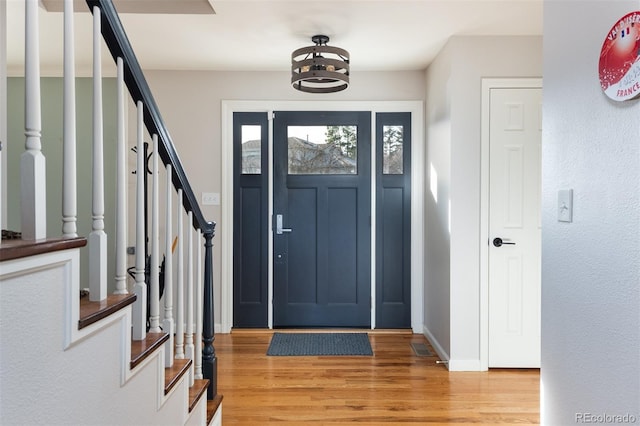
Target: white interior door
(514, 227)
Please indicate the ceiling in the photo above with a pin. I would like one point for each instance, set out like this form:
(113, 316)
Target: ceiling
(251, 35)
(187, 7)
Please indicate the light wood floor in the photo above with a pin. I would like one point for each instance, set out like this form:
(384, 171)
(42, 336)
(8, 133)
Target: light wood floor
(392, 387)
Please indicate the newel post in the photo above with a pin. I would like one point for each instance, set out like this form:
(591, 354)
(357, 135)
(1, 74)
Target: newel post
(209, 361)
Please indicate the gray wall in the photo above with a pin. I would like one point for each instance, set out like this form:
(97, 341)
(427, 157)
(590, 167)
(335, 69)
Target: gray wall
(591, 267)
(3, 112)
(453, 127)
(437, 300)
(190, 103)
(51, 90)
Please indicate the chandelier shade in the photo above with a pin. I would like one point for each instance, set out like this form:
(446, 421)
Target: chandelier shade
(320, 68)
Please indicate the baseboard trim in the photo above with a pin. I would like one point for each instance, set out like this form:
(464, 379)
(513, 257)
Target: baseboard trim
(442, 354)
(464, 365)
(452, 364)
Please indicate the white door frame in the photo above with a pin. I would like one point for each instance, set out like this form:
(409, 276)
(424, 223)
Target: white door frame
(417, 198)
(487, 85)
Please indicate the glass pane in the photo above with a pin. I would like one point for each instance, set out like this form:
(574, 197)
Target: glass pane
(323, 150)
(251, 149)
(392, 142)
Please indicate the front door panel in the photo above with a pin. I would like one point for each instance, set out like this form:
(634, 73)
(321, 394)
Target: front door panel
(322, 190)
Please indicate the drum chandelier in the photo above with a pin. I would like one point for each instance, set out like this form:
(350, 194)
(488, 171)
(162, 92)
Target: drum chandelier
(320, 68)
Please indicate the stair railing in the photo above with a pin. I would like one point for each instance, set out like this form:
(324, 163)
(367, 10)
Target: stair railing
(149, 116)
(199, 315)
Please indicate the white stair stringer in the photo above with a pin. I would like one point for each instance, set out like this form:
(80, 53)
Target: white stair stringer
(53, 373)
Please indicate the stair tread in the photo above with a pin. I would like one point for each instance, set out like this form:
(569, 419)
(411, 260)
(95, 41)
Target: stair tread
(141, 349)
(16, 249)
(91, 312)
(196, 391)
(212, 407)
(173, 374)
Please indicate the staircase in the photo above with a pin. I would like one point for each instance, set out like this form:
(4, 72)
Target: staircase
(117, 353)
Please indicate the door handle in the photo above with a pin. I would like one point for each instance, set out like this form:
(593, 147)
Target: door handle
(497, 242)
(279, 229)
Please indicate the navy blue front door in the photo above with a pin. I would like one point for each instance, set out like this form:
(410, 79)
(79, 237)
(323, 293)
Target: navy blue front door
(322, 219)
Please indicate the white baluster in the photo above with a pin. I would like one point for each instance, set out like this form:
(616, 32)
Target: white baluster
(97, 237)
(167, 324)
(199, 300)
(140, 288)
(189, 347)
(154, 289)
(33, 186)
(180, 284)
(121, 187)
(69, 191)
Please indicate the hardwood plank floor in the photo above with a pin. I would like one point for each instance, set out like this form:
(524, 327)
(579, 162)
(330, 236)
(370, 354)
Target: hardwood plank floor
(392, 387)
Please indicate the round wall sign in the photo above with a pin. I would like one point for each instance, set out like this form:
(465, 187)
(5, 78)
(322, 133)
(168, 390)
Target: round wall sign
(620, 59)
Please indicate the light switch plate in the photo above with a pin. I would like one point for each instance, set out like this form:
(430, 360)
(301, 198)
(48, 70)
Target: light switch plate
(565, 205)
(210, 199)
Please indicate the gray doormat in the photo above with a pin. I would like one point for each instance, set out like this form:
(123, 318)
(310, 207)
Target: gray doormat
(315, 344)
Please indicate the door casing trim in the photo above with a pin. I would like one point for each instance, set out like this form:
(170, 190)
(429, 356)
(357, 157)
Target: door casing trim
(416, 108)
(487, 85)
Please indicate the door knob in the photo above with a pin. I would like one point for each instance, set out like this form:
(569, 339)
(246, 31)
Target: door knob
(497, 242)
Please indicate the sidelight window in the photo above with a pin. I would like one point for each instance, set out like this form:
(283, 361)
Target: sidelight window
(392, 148)
(251, 149)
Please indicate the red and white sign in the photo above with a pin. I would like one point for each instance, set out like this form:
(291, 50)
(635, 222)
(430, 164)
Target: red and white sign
(620, 59)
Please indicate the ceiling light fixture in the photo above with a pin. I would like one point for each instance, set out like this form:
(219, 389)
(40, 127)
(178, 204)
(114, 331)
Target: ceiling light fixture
(320, 68)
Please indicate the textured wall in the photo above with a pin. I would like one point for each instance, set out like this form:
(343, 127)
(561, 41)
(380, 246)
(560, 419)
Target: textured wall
(591, 267)
(43, 384)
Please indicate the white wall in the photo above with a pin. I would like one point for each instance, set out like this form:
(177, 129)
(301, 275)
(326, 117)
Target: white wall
(437, 302)
(471, 59)
(190, 103)
(591, 267)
